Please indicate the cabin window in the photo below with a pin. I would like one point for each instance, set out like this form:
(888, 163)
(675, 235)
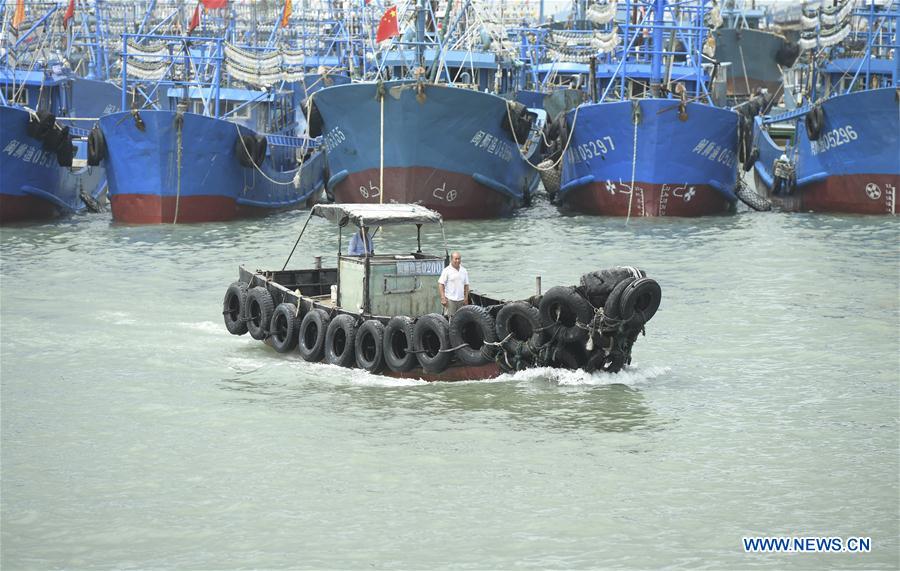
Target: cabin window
(17, 96)
(234, 109)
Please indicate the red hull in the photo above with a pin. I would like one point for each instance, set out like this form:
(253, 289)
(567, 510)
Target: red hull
(454, 195)
(649, 200)
(153, 209)
(453, 373)
(22, 208)
(858, 194)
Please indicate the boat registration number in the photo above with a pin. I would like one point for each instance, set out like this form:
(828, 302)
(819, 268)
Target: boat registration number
(834, 138)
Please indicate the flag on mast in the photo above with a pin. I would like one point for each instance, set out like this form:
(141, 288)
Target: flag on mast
(387, 27)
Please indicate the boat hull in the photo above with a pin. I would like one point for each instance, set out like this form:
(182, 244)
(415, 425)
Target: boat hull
(33, 186)
(852, 168)
(452, 373)
(444, 148)
(681, 167)
(151, 182)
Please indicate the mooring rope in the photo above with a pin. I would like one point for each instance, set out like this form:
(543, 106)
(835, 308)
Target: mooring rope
(635, 119)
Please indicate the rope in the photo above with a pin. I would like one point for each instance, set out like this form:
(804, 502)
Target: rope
(179, 135)
(634, 120)
(381, 157)
(561, 155)
(244, 145)
(743, 65)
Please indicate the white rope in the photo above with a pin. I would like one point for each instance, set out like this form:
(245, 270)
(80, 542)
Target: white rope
(565, 147)
(178, 182)
(633, 164)
(253, 162)
(743, 65)
(381, 157)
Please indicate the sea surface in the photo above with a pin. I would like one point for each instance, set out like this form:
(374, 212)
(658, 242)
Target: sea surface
(763, 401)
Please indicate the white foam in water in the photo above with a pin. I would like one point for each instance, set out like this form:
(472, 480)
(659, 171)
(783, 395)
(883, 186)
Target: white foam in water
(117, 317)
(204, 326)
(631, 375)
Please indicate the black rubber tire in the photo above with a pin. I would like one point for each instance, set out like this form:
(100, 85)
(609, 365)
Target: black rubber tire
(96, 147)
(259, 312)
(474, 326)
(596, 286)
(245, 150)
(316, 123)
(39, 126)
(642, 296)
(523, 321)
(340, 340)
(65, 153)
(261, 145)
(611, 308)
(283, 328)
(311, 340)
(431, 335)
(750, 161)
(398, 338)
(564, 308)
(815, 120)
(570, 356)
(233, 307)
(53, 138)
(369, 346)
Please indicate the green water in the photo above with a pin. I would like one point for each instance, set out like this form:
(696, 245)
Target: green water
(764, 401)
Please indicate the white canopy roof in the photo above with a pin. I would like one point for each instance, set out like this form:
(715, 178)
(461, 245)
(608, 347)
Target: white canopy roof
(376, 214)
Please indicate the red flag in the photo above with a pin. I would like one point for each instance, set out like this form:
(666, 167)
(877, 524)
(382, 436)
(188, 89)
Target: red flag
(288, 9)
(214, 4)
(195, 20)
(388, 28)
(19, 14)
(70, 13)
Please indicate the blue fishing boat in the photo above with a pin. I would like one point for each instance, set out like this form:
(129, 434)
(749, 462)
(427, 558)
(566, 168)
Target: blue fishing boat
(221, 143)
(42, 154)
(655, 143)
(438, 138)
(843, 153)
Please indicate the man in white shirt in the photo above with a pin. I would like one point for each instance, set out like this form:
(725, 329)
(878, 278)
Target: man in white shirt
(454, 285)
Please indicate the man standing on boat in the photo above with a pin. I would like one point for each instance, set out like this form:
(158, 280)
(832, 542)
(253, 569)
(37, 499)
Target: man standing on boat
(453, 286)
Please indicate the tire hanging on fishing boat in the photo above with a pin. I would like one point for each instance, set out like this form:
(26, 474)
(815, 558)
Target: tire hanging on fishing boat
(431, 339)
(311, 340)
(472, 326)
(233, 307)
(245, 148)
(815, 121)
(284, 327)
(398, 340)
(340, 340)
(369, 346)
(96, 147)
(260, 307)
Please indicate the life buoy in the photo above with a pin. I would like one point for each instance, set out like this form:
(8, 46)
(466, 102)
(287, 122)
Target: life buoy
(398, 339)
(369, 346)
(283, 328)
(340, 339)
(523, 322)
(815, 120)
(233, 308)
(245, 149)
(472, 326)
(642, 297)
(259, 312)
(567, 312)
(611, 309)
(311, 341)
(96, 147)
(431, 339)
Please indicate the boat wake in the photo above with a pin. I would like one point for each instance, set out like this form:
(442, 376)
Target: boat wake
(630, 375)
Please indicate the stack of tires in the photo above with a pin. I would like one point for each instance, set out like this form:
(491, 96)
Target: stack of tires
(592, 327)
(54, 138)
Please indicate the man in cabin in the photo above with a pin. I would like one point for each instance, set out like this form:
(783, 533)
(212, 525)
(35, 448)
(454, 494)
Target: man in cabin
(453, 286)
(359, 243)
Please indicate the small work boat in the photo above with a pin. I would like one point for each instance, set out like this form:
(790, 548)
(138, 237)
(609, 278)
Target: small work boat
(381, 312)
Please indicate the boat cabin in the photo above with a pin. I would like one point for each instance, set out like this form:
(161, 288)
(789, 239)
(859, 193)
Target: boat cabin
(375, 283)
(40, 90)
